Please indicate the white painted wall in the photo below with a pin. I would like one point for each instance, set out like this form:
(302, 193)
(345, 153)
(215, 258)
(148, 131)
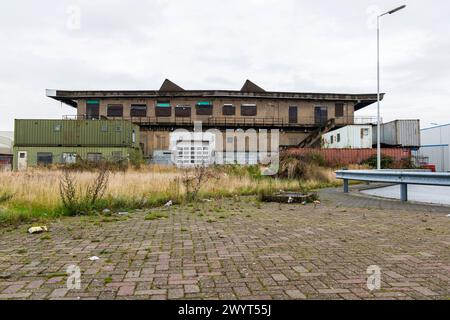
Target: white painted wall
(435, 145)
(349, 137)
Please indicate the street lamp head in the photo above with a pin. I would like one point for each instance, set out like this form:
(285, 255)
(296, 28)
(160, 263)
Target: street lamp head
(397, 9)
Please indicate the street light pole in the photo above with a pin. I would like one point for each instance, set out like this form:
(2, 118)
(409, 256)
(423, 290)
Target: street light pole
(378, 85)
(378, 97)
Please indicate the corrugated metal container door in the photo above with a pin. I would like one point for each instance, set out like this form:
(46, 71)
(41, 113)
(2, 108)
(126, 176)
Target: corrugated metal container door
(408, 133)
(404, 133)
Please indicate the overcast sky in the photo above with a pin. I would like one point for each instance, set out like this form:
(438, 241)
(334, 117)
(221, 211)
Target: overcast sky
(282, 45)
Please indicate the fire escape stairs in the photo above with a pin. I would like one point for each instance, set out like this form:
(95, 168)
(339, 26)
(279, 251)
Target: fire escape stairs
(315, 136)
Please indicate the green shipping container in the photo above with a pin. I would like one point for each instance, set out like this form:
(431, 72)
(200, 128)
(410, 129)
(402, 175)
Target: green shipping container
(25, 157)
(74, 133)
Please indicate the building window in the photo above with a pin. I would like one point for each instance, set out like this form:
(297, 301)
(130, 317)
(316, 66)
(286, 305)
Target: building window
(22, 155)
(182, 111)
(364, 133)
(104, 128)
(204, 108)
(248, 110)
(338, 137)
(339, 110)
(69, 158)
(94, 157)
(44, 158)
(332, 139)
(115, 110)
(133, 136)
(138, 110)
(229, 110)
(92, 109)
(163, 108)
(117, 155)
(119, 128)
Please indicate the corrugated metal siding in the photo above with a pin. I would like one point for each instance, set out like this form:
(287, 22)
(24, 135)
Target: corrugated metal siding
(438, 155)
(75, 133)
(405, 133)
(58, 151)
(335, 157)
(435, 146)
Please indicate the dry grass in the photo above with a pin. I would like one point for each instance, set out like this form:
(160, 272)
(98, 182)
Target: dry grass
(36, 192)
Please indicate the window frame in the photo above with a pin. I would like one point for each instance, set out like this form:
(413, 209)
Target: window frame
(111, 113)
(183, 108)
(141, 108)
(43, 163)
(339, 106)
(249, 110)
(204, 108)
(229, 107)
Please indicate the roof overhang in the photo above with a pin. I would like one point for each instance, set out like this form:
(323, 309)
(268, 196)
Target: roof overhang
(71, 97)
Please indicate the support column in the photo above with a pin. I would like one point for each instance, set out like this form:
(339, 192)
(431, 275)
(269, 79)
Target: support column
(404, 192)
(345, 186)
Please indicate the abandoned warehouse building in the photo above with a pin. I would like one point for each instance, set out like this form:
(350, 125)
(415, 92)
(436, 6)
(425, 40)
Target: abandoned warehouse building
(299, 119)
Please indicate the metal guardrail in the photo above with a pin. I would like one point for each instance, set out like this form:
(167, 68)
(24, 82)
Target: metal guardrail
(403, 178)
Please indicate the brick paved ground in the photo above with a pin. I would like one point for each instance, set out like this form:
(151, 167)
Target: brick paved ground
(237, 249)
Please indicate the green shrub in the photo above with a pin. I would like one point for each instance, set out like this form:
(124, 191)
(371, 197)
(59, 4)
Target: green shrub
(386, 161)
(5, 196)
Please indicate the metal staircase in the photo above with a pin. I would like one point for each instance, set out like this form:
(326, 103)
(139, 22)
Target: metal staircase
(312, 139)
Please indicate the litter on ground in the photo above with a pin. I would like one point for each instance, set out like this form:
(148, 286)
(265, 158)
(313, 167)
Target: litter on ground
(39, 229)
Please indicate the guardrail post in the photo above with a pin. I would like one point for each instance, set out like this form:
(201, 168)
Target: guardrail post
(345, 186)
(404, 192)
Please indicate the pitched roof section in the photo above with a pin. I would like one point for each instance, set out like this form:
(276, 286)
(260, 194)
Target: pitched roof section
(251, 87)
(169, 86)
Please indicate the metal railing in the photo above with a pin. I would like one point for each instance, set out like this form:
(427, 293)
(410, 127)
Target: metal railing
(403, 178)
(232, 120)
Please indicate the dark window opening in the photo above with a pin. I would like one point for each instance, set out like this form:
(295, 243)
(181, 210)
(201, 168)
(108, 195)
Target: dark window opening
(293, 114)
(339, 111)
(338, 137)
(94, 157)
(92, 109)
(115, 110)
(320, 115)
(163, 108)
(182, 112)
(204, 109)
(248, 110)
(229, 110)
(138, 110)
(44, 158)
